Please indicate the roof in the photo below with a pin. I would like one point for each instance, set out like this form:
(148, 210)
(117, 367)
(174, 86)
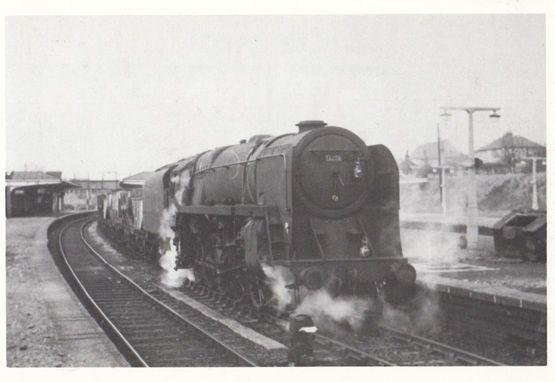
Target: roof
(53, 184)
(510, 140)
(450, 156)
(27, 179)
(55, 174)
(137, 180)
(406, 164)
(33, 175)
(406, 160)
(138, 177)
(89, 184)
(429, 151)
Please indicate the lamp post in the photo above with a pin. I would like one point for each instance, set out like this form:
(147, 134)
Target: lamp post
(472, 210)
(442, 190)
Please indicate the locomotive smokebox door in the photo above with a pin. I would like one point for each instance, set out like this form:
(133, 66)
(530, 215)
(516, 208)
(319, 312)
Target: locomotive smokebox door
(302, 329)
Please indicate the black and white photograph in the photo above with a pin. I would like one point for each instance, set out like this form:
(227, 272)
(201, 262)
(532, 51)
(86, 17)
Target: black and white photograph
(276, 190)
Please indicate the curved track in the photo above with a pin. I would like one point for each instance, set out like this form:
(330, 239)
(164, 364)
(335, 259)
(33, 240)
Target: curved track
(148, 332)
(151, 333)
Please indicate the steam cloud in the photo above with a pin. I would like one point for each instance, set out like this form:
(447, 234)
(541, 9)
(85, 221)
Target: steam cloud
(422, 316)
(278, 278)
(320, 305)
(323, 308)
(428, 246)
(171, 277)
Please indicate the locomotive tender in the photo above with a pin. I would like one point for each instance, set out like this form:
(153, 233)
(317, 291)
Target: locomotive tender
(320, 203)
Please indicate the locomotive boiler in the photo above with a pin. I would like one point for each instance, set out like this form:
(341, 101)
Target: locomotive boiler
(319, 204)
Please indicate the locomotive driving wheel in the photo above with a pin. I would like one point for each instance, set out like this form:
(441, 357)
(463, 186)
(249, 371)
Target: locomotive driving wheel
(231, 288)
(204, 277)
(259, 294)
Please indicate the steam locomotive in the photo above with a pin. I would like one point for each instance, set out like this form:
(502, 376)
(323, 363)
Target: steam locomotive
(318, 204)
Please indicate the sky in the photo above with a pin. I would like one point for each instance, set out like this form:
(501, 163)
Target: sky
(111, 96)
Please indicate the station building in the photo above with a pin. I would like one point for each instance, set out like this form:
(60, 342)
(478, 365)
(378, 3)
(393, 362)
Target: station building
(84, 197)
(425, 160)
(507, 153)
(31, 193)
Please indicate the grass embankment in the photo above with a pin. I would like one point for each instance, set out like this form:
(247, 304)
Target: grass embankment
(496, 194)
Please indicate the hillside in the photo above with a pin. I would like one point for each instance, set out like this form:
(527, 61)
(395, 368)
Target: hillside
(496, 194)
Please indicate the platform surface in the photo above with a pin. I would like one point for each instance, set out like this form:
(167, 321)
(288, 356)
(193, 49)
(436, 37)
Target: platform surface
(46, 324)
(479, 273)
(484, 221)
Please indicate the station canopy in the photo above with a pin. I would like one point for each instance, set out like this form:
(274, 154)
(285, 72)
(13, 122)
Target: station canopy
(50, 181)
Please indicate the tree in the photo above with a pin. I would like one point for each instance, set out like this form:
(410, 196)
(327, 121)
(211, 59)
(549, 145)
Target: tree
(510, 153)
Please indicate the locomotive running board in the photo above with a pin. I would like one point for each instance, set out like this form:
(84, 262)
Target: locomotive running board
(223, 210)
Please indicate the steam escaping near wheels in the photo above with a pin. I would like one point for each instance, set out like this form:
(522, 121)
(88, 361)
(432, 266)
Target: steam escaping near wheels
(342, 310)
(325, 309)
(277, 278)
(171, 277)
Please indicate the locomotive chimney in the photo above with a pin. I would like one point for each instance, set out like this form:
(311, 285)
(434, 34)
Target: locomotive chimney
(309, 125)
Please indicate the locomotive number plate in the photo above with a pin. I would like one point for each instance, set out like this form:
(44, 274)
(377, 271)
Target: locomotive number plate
(333, 158)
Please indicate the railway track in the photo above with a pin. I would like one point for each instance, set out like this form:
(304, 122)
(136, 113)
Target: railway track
(387, 348)
(396, 348)
(149, 332)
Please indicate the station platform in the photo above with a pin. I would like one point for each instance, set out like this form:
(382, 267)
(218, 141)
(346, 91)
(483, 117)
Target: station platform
(477, 273)
(448, 223)
(495, 294)
(430, 242)
(46, 324)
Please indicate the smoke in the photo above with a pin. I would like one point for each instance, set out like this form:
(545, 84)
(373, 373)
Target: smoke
(277, 278)
(421, 316)
(422, 205)
(325, 309)
(182, 184)
(429, 251)
(166, 222)
(428, 246)
(425, 198)
(171, 277)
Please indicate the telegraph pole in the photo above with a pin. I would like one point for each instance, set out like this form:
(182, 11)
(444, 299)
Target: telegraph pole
(535, 204)
(440, 167)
